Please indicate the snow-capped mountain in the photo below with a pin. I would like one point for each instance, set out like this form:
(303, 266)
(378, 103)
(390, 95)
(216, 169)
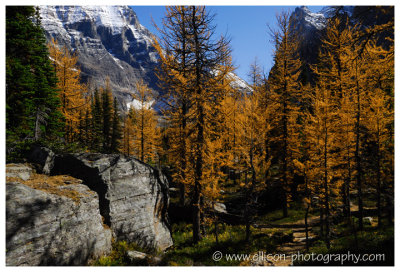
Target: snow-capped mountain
(110, 43)
(309, 27)
(309, 19)
(329, 12)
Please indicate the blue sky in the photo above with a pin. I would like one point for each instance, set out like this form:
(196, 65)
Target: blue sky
(246, 26)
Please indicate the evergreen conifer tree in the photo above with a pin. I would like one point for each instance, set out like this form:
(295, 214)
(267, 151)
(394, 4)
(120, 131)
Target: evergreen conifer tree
(116, 129)
(32, 100)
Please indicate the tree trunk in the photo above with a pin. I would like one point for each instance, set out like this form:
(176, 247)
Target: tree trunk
(200, 132)
(250, 193)
(182, 194)
(216, 232)
(37, 126)
(215, 223)
(183, 154)
(327, 227)
(285, 137)
(354, 233)
(142, 139)
(358, 159)
(196, 213)
(378, 189)
(202, 219)
(321, 221)
(347, 213)
(389, 207)
(308, 203)
(285, 176)
(247, 219)
(306, 225)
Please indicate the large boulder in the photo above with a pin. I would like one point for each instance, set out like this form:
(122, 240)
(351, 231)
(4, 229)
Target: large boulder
(133, 196)
(53, 221)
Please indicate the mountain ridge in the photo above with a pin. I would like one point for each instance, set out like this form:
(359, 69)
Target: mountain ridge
(110, 43)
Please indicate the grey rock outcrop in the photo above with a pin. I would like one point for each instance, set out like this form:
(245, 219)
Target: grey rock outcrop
(44, 228)
(133, 196)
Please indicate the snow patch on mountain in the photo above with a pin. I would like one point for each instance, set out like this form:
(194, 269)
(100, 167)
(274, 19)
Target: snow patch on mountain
(137, 105)
(311, 19)
(239, 84)
(329, 12)
(115, 18)
(108, 16)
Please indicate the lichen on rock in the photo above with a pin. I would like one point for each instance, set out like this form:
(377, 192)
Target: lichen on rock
(53, 221)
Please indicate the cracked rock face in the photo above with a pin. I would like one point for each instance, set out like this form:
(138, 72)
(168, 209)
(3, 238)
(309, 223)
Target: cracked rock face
(133, 196)
(109, 42)
(43, 228)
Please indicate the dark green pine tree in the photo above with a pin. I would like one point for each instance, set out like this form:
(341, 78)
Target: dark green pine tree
(81, 128)
(31, 96)
(96, 127)
(116, 129)
(87, 129)
(106, 101)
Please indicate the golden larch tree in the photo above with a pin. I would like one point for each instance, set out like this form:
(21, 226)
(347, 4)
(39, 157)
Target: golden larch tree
(128, 131)
(145, 140)
(251, 123)
(72, 91)
(284, 100)
(174, 73)
(189, 40)
(321, 130)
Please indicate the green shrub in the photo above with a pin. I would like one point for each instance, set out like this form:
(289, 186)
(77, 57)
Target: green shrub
(118, 255)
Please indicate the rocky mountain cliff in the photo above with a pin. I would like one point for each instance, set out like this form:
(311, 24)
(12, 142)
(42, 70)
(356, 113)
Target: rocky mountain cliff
(110, 43)
(309, 27)
(307, 20)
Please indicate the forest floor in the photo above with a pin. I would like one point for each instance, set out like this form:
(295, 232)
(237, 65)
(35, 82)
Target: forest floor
(272, 234)
(298, 244)
(284, 252)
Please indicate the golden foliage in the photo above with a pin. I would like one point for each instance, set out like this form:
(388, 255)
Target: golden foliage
(140, 132)
(72, 92)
